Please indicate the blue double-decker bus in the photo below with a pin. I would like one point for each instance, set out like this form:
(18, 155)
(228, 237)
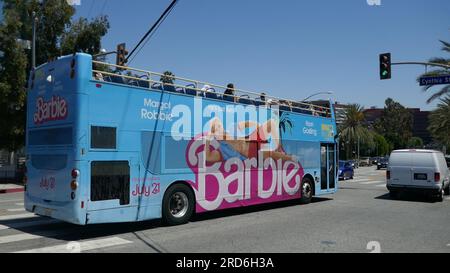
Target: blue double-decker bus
(107, 143)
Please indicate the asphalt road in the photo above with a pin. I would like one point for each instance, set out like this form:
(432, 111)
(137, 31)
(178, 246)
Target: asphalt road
(359, 218)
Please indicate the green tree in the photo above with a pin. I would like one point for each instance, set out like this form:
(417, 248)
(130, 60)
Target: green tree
(381, 146)
(353, 129)
(84, 36)
(440, 122)
(55, 35)
(13, 65)
(438, 72)
(415, 143)
(395, 124)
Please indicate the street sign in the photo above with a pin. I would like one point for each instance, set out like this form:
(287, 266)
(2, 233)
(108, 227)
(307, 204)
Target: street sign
(436, 80)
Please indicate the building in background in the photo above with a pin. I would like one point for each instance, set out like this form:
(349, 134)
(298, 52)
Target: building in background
(420, 122)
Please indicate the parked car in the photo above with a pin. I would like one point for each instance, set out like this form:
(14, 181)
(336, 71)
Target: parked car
(346, 170)
(422, 171)
(353, 163)
(382, 163)
(364, 162)
(374, 160)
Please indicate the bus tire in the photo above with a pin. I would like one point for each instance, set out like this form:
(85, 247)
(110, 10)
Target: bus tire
(178, 205)
(306, 191)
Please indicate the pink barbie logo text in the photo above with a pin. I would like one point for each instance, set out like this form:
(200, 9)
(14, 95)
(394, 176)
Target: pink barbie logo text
(54, 109)
(230, 174)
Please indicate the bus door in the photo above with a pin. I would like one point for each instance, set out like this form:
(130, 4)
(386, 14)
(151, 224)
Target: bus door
(111, 183)
(327, 167)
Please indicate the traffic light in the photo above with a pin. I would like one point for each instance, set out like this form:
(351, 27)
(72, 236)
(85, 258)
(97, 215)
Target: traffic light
(121, 55)
(385, 66)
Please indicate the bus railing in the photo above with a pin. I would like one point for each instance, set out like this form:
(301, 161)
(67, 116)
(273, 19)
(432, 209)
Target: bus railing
(135, 77)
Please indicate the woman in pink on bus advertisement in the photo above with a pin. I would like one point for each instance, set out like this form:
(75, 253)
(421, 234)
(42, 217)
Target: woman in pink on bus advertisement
(247, 147)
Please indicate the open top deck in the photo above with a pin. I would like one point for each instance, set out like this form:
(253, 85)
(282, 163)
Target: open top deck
(107, 72)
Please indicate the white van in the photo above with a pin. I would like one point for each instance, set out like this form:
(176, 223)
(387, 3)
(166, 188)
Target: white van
(418, 170)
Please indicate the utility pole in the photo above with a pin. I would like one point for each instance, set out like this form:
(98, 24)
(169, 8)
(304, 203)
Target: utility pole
(33, 51)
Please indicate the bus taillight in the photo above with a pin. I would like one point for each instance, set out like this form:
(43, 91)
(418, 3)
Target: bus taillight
(74, 185)
(75, 173)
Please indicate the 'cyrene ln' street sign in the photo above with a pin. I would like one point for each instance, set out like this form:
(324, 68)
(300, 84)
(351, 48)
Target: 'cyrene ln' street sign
(425, 81)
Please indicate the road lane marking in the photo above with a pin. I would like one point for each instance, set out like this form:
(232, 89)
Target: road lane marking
(20, 204)
(16, 210)
(83, 246)
(358, 180)
(30, 224)
(18, 238)
(10, 201)
(381, 186)
(373, 182)
(17, 216)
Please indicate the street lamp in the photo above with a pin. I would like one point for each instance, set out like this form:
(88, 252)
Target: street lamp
(318, 93)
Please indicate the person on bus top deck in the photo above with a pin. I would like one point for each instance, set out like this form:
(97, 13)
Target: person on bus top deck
(205, 89)
(245, 147)
(229, 92)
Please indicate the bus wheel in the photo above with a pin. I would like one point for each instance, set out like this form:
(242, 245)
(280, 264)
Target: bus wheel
(307, 191)
(178, 205)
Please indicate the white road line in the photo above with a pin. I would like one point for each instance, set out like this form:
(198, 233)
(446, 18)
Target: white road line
(82, 246)
(16, 210)
(10, 201)
(29, 224)
(18, 238)
(358, 180)
(381, 186)
(373, 182)
(17, 216)
(20, 204)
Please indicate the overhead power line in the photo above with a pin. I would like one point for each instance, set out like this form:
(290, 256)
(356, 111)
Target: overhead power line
(152, 30)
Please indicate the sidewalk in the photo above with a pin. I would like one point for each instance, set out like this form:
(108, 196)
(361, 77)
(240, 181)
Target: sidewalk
(10, 188)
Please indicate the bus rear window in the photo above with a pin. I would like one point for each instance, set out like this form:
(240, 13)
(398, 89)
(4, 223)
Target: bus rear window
(49, 162)
(53, 136)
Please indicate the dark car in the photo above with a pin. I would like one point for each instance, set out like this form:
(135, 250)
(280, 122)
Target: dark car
(345, 170)
(382, 163)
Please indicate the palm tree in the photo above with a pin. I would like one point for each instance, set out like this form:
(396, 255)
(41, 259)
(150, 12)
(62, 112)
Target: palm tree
(439, 72)
(353, 128)
(440, 122)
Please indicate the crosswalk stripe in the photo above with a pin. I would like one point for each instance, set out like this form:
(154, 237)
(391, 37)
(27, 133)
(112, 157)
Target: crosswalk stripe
(359, 180)
(16, 210)
(10, 201)
(18, 238)
(17, 216)
(29, 224)
(20, 204)
(373, 182)
(381, 186)
(81, 246)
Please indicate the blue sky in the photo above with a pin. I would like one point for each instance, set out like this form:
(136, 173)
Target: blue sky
(290, 48)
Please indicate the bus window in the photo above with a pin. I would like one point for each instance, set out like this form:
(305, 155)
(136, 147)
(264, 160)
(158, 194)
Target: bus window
(49, 137)
(103, 137)
(49, 162)
(110, 180)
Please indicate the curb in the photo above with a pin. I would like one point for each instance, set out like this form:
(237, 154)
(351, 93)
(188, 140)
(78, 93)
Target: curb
(12, 190)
